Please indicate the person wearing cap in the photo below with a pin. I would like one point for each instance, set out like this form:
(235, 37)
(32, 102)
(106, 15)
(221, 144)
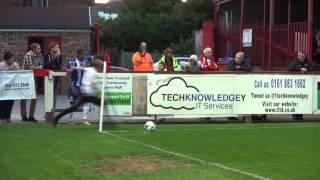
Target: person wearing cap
(207, 61)
(142, 60)
(169, 59)
(193, 66)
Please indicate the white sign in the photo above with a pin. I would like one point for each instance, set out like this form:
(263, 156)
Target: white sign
(118, 94)
(16, 85)
(229, 94)
(247, 38)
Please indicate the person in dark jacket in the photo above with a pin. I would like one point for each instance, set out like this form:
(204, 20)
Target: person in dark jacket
(316, 47)
(300, 64)
(53, 61)
(239, 64)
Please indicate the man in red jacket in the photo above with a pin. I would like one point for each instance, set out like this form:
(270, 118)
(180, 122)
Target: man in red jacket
(207, 61)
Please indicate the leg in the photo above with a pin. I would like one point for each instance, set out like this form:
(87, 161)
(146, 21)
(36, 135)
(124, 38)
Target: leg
(68, 110)
(33, 103)
(9, 109)
(23, 110)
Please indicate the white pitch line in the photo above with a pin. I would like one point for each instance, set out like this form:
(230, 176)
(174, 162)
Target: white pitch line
(188, 157)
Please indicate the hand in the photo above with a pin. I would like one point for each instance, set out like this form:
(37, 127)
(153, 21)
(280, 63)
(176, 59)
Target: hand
(238, 67)
(74, 92)
(58, 53)
(304, 70)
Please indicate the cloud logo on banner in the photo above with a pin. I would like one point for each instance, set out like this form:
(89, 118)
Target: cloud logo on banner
(177, 84)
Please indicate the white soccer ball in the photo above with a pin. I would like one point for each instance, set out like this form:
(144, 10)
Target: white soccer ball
(150, 126)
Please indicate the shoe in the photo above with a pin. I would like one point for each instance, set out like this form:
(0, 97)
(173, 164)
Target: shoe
(86, 123)
(24, 119)
(32, 119)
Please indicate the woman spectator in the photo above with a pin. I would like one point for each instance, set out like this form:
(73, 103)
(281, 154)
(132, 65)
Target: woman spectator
(207, 62)
(6, 105)
(53, 61)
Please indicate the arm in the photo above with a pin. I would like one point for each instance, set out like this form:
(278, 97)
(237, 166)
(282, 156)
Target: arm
(294, 66)
(213, 66)
(230, 66)
(246, 67)
(46, 64)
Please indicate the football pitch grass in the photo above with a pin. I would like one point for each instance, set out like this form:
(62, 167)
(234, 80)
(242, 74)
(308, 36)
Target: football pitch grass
(195, 151)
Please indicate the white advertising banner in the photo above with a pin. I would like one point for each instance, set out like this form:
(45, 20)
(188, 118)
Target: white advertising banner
(118, 94)
(16, 85)
(230, 94)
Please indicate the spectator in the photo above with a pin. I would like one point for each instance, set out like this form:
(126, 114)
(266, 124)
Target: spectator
(300, 64)
(162, 67)
(53, 61)
(193, 66)
(207, 61)
(169, 59)
(142, 60)
(6, 105)
(76, 68)
(32, 61)
(316, 47)
(239, 64)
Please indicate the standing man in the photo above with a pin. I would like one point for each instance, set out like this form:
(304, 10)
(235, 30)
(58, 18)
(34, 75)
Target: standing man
(142, 60)
(76, 68)
(32, 61)
(170, 61)
(302, 65)
(239, 64)
(53, 61)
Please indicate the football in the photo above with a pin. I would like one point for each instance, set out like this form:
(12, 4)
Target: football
(150, 126)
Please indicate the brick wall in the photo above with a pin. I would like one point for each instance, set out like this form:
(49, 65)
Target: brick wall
(17, 42)
(50, 2)
(10, 3)
(69, 3)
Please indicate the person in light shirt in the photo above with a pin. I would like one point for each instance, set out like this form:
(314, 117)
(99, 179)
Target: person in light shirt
(88, 89)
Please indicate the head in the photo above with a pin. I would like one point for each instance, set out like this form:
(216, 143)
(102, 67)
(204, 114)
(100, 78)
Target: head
(161, 66)
(207, 52)
(143, 47)
(168, 52)
(8, 57)
(53, 47)
(97, 64)
(301, 56)
(80, 54)
(239, 57)
(193, 60)
(36, 48)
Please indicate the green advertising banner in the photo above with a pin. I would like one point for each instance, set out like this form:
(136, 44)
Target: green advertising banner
(118, 94)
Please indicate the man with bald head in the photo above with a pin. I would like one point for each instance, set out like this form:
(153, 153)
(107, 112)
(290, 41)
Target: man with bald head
(239, 63)
(142, 60)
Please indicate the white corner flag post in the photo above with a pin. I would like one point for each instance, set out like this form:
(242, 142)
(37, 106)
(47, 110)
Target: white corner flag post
(102, 95)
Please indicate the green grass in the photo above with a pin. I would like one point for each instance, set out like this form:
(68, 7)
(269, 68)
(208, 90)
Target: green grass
(276, 151)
